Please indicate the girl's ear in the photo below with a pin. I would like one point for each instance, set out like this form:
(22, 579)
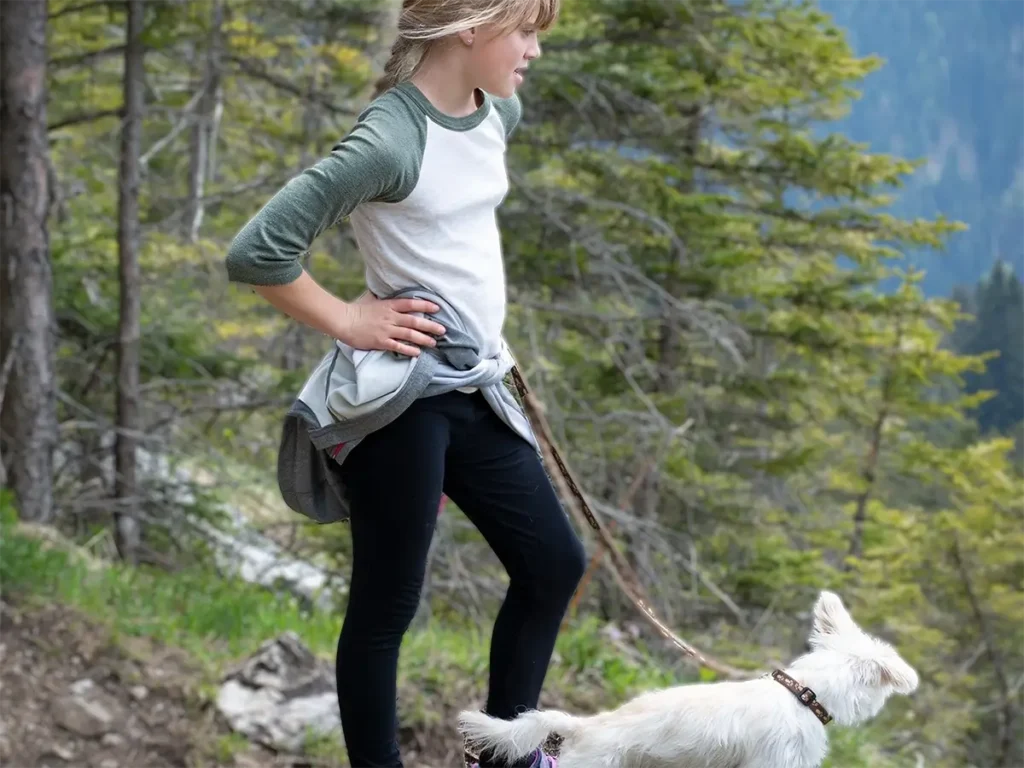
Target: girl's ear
(467, 36)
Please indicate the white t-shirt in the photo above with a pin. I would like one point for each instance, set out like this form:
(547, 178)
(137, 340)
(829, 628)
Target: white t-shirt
(421, 189)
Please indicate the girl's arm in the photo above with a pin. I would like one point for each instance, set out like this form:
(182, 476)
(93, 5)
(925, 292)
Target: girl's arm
(367, 164)
(377, 160)
(369, 324)
(305, 300)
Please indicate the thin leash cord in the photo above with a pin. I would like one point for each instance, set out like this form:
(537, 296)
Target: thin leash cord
(624, 575)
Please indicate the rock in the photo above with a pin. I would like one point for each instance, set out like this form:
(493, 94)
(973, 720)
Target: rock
(112, 740)
(64, 753)
(81, 716)
(138, 692)
(257, 559)
(85, 710)
(82, 687)
(252, 757)
(57, 755)
(281, 695)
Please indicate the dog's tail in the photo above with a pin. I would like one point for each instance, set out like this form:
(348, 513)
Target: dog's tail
(509, 739)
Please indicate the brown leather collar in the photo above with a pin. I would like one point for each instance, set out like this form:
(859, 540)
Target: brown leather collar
(804, 695)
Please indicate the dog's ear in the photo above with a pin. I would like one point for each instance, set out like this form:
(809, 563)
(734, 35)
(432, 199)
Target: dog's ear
(831, 617)
(895, 673)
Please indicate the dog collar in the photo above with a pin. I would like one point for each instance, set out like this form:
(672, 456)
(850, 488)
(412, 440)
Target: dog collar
(804, 695)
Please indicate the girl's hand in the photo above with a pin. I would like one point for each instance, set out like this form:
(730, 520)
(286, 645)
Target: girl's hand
(386, 324)
(367, 323)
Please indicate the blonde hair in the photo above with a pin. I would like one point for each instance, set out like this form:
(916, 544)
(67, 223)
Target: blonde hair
(421, 22)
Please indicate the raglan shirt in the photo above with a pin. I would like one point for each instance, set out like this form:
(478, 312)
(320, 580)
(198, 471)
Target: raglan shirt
(421, 189)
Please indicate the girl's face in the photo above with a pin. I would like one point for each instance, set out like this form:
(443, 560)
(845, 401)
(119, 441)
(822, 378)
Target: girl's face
(500, 58)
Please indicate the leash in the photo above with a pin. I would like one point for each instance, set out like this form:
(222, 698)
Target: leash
(623, 573)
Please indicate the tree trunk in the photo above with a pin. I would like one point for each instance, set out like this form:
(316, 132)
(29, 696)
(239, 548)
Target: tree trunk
(868, 475)
(387, 29)
(204, 128)
(668, 342)
(868, 470)
(127, 533)
(28, 404)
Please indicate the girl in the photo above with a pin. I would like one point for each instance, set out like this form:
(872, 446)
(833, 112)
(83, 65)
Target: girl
(421, 174)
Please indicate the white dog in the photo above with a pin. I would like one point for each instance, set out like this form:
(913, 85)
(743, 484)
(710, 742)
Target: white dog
(776, 721)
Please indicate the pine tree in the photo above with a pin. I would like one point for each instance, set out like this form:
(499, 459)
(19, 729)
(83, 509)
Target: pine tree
(676, 183)
(28, 385)
(996, 330)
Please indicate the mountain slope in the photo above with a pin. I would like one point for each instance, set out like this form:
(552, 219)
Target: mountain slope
(951, 92)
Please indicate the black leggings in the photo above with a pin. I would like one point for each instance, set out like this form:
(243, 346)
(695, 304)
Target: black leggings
(452, 443)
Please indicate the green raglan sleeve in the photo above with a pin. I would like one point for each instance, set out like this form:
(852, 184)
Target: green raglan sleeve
(510, 110)
(378, 160)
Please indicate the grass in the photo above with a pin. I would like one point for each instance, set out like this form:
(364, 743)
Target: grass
(217, 621)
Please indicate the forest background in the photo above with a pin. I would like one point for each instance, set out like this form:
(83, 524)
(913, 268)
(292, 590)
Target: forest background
(764, 267)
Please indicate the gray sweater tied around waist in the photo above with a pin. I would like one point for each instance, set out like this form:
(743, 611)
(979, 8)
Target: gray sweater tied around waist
(352, 393)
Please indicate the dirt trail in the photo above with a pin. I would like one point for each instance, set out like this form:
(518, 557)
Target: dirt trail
(71, 697)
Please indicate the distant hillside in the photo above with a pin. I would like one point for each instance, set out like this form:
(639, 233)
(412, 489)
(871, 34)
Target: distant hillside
(951, 91)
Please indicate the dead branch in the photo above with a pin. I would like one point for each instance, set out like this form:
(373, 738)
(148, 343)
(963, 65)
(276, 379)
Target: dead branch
(62, 62)
(79, 7)
(613, 261)
(252, 69)
(598, 555)
(84, 117)
(178, 127)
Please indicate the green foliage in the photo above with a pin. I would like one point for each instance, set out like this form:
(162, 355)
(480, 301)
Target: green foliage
(8, 514)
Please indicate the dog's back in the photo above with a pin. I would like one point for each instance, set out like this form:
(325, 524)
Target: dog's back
(719, 725)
